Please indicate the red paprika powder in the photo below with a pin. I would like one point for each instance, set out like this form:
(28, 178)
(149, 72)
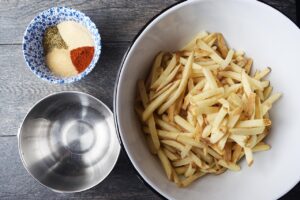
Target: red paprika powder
(82, 57)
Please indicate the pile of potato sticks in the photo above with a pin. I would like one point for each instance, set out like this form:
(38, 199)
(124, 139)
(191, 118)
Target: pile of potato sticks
(202, 110)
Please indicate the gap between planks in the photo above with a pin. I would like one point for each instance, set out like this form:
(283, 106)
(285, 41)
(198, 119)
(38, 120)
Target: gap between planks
(8, 136)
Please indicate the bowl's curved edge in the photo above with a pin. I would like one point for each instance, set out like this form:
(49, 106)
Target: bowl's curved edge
(117, 83)
(116, 91)
(21, 152)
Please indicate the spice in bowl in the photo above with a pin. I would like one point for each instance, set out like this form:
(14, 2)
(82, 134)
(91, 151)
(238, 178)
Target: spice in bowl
(82, 57)
(69, 48)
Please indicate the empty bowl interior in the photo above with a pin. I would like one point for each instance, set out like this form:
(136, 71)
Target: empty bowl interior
(271, 40)
(68, 142)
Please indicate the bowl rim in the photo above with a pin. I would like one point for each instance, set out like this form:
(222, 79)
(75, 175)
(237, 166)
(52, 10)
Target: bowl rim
(21, 152)
(121, 67)
(72, 79)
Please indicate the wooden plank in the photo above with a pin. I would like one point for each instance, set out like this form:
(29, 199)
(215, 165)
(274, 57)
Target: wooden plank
(20, 88)
(16, 183)
(116, 20)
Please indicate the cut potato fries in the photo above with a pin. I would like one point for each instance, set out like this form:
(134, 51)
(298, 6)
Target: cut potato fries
(202, 110)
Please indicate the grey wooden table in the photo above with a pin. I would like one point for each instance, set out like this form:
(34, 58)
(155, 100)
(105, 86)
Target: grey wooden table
(119, 21)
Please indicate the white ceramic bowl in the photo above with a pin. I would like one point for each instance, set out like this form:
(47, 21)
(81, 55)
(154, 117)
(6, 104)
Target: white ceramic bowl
(267, 36)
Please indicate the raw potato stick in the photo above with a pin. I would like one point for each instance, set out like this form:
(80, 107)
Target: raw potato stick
(158, 101)
(183, 83)
(150, 122)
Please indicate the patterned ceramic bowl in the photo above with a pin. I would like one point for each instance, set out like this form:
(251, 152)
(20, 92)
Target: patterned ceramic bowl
(33, 48)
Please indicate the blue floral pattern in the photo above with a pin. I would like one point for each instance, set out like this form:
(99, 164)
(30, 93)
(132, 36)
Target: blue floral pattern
(33, 48)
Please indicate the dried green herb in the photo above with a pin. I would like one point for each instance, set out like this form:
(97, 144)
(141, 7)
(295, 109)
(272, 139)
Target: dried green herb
(52, 39)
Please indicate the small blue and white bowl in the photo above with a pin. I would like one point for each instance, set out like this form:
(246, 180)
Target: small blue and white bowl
(33, 46)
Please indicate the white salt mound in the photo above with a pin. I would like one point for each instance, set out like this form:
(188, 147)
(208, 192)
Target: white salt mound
(60, 63)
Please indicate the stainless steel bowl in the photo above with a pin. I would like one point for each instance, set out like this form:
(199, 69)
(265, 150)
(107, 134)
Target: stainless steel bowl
(68, 142)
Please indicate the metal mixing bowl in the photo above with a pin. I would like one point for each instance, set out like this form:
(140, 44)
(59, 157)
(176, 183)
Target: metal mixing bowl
(68, 143)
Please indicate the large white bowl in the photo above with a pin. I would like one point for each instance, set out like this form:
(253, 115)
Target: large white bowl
(267, 36)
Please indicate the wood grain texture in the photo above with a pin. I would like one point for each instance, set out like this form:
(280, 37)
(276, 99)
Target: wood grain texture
(19, 91)
(118, 21)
